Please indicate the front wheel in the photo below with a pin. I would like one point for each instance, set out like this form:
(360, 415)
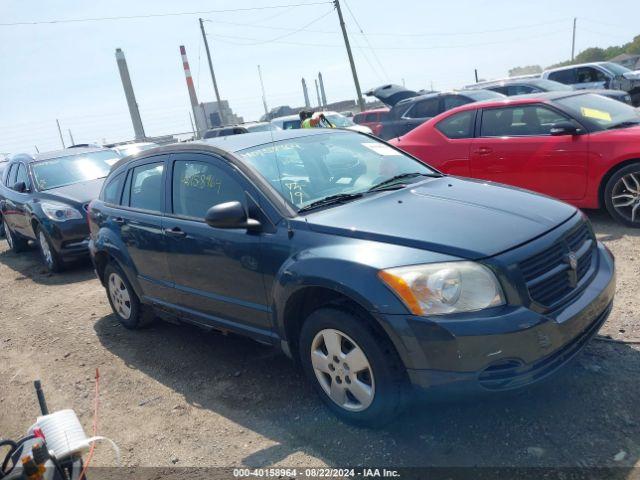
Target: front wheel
(48, 253)
(356, 371)
(622, 195)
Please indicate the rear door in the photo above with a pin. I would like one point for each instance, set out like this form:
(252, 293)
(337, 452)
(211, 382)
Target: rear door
(140, 220)
(514, 146)
(417, 114)
(217, 272)
(22, 216)
(7, 203)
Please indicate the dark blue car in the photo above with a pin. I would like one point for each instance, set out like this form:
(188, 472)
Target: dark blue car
(374, 271)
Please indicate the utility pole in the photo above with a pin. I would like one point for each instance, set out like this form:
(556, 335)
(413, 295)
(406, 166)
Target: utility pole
(264, 97)
(323, 95)
(573, 40)
(318, 94)
(213, 75)
(134, 112)
(60, 133)
(350, 55)
(306, 94)
(193, 127)
(71, 137)
(476, 72)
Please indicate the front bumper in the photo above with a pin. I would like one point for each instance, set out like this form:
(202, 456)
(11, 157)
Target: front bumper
(506, 347)
(70, 239)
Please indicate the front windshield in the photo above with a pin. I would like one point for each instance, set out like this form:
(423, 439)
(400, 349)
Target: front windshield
(339, 120)
(61, 171)
(615, 68)
(599, 111)
(308, 169)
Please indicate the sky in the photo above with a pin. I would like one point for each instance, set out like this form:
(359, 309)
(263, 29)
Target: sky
(67, 70)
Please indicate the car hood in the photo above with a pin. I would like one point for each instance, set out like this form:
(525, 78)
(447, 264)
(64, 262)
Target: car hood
(466, 218)
(391, 94)
(80, 193)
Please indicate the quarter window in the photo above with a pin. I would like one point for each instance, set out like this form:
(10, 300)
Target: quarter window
(197, 186)
(113, 190)
(519, 121)
(459, 125)
(146, 187)
(567, 77)
(22, 176)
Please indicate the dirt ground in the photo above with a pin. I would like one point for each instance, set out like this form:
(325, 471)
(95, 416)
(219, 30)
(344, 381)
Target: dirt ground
(176, 396)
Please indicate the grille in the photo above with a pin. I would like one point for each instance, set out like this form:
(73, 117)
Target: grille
(548, 274)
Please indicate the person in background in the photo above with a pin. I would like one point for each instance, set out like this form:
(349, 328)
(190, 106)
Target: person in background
(307, 120)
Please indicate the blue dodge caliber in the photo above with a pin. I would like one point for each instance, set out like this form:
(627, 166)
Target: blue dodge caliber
(371, 269)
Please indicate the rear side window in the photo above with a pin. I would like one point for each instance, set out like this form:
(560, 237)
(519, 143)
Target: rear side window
(459, 125)
(11, 175)
(564, 76)
(113, 191)
(520, 89)
(424, 109)
(359, 117)
(453, 101)
(371, 117)
(146, 187)
(198, 186)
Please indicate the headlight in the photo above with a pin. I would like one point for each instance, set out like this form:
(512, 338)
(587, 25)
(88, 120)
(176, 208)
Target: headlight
(438, 288)
(59, 212)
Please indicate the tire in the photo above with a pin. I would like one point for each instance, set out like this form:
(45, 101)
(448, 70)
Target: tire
(622, 195)
(16, 243)
(2, 229)
(50, 257)
(379, 382)
(123, 299)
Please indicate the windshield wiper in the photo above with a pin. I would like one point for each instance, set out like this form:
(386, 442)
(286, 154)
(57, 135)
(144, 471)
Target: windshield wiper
(625, 124)
(330, 200)
(390, 181)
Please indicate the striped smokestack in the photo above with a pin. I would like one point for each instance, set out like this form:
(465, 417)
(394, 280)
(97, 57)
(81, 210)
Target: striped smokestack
(198, 113)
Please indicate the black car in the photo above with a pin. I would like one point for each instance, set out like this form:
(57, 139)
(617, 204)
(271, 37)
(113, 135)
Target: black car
(374, 278)
(44, 198)
(239, 129)
(3, 163)
(523, 86)
(410, 109)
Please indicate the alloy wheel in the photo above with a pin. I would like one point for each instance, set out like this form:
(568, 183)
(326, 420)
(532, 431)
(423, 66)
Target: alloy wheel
(626, 197)
(119, 294)
(45, 248)
(343, 370)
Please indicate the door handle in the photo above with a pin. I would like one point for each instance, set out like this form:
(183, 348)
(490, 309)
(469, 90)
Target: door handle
(484, 151)
(174, 232)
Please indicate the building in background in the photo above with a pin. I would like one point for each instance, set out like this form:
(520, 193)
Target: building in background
(214, 115)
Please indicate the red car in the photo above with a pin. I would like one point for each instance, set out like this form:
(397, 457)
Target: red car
(372, 119)
(579, 147)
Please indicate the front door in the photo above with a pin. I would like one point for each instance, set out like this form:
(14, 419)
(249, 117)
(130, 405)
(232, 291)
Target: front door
(217, 272)
(514, 146)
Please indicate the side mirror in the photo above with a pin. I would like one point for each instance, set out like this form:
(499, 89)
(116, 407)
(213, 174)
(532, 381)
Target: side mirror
(20, 187)
(230, 215)
(564, 128)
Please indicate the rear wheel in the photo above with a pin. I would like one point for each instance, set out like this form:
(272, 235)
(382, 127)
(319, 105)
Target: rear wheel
(16, 243)
(50, 257)
(355, 371)
(123, 299)
(622, 195)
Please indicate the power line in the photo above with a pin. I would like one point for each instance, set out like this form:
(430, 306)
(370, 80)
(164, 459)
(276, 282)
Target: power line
(157, 15)
(366, 39)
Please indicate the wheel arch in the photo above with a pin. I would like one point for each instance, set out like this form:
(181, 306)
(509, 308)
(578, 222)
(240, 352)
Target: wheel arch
(605, 178)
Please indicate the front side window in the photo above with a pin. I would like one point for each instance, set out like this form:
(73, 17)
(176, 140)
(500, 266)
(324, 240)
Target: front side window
(590, 75)
(307, 169)
(459, 125)
(567, 77)
(424, 109)
(198, 186)
(11, 175)
(61, 171)
(146, 187)
(23, 176)
(528, 120)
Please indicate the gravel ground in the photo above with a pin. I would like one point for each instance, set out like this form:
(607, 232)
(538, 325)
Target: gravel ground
(173, 395)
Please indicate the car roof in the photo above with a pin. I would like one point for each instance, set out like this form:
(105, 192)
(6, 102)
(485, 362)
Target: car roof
(568, 67)
(374, 110)
(286, 118)
(30, 158)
